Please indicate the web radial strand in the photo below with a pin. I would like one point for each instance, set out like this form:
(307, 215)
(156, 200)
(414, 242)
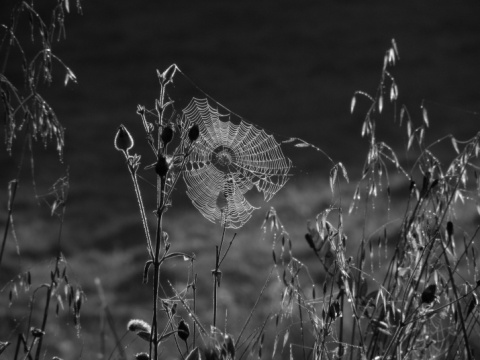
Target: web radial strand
(229, 160)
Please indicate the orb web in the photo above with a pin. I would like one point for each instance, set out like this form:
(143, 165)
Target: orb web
(226, 162)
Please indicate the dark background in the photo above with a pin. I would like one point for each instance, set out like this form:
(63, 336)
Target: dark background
(290, 67)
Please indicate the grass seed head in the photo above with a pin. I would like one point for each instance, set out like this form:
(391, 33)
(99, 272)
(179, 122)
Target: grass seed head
(136, 325)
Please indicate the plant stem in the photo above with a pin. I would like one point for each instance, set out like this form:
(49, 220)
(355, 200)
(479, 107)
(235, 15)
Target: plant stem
(12, 191)
(216, 275)
(156, 267)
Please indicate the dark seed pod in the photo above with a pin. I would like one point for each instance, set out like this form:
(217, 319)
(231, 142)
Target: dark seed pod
(428, 295)
(162, 166)
(167, 135)
(194, 133)
(183, 330)
(123, 139)
(36, 332)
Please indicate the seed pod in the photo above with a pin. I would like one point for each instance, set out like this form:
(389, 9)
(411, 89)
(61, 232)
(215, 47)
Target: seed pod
(183, 330)
(162, 166)
(167, 135)
(428, 295)
(194, 133)
(123, 140)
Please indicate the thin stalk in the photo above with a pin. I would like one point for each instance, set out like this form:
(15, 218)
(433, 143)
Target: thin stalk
(156, 267)
(301, 325)
(216, 276)
(459, 307)
(44, 321)
(194, 287)
(12, 191)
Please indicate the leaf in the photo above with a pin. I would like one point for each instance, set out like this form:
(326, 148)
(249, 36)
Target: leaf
(352, 104)
(380, 104)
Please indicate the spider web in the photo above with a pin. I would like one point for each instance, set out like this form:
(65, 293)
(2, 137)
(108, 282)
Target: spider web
(226, 162)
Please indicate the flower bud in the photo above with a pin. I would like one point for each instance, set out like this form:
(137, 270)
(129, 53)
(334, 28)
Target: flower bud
(123, 139)
(193, 133)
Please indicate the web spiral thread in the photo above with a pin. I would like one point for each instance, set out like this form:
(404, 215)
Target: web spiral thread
(226, 162)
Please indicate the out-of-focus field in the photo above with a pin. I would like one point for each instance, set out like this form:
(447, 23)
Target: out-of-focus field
(289, 67)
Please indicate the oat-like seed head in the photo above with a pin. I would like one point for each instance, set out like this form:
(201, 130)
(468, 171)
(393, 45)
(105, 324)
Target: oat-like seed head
(136, 325)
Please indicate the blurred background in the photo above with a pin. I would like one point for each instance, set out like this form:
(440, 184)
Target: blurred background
(289, 67)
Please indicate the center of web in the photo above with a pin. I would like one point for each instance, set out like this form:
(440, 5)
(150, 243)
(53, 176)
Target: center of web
(223, 157)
